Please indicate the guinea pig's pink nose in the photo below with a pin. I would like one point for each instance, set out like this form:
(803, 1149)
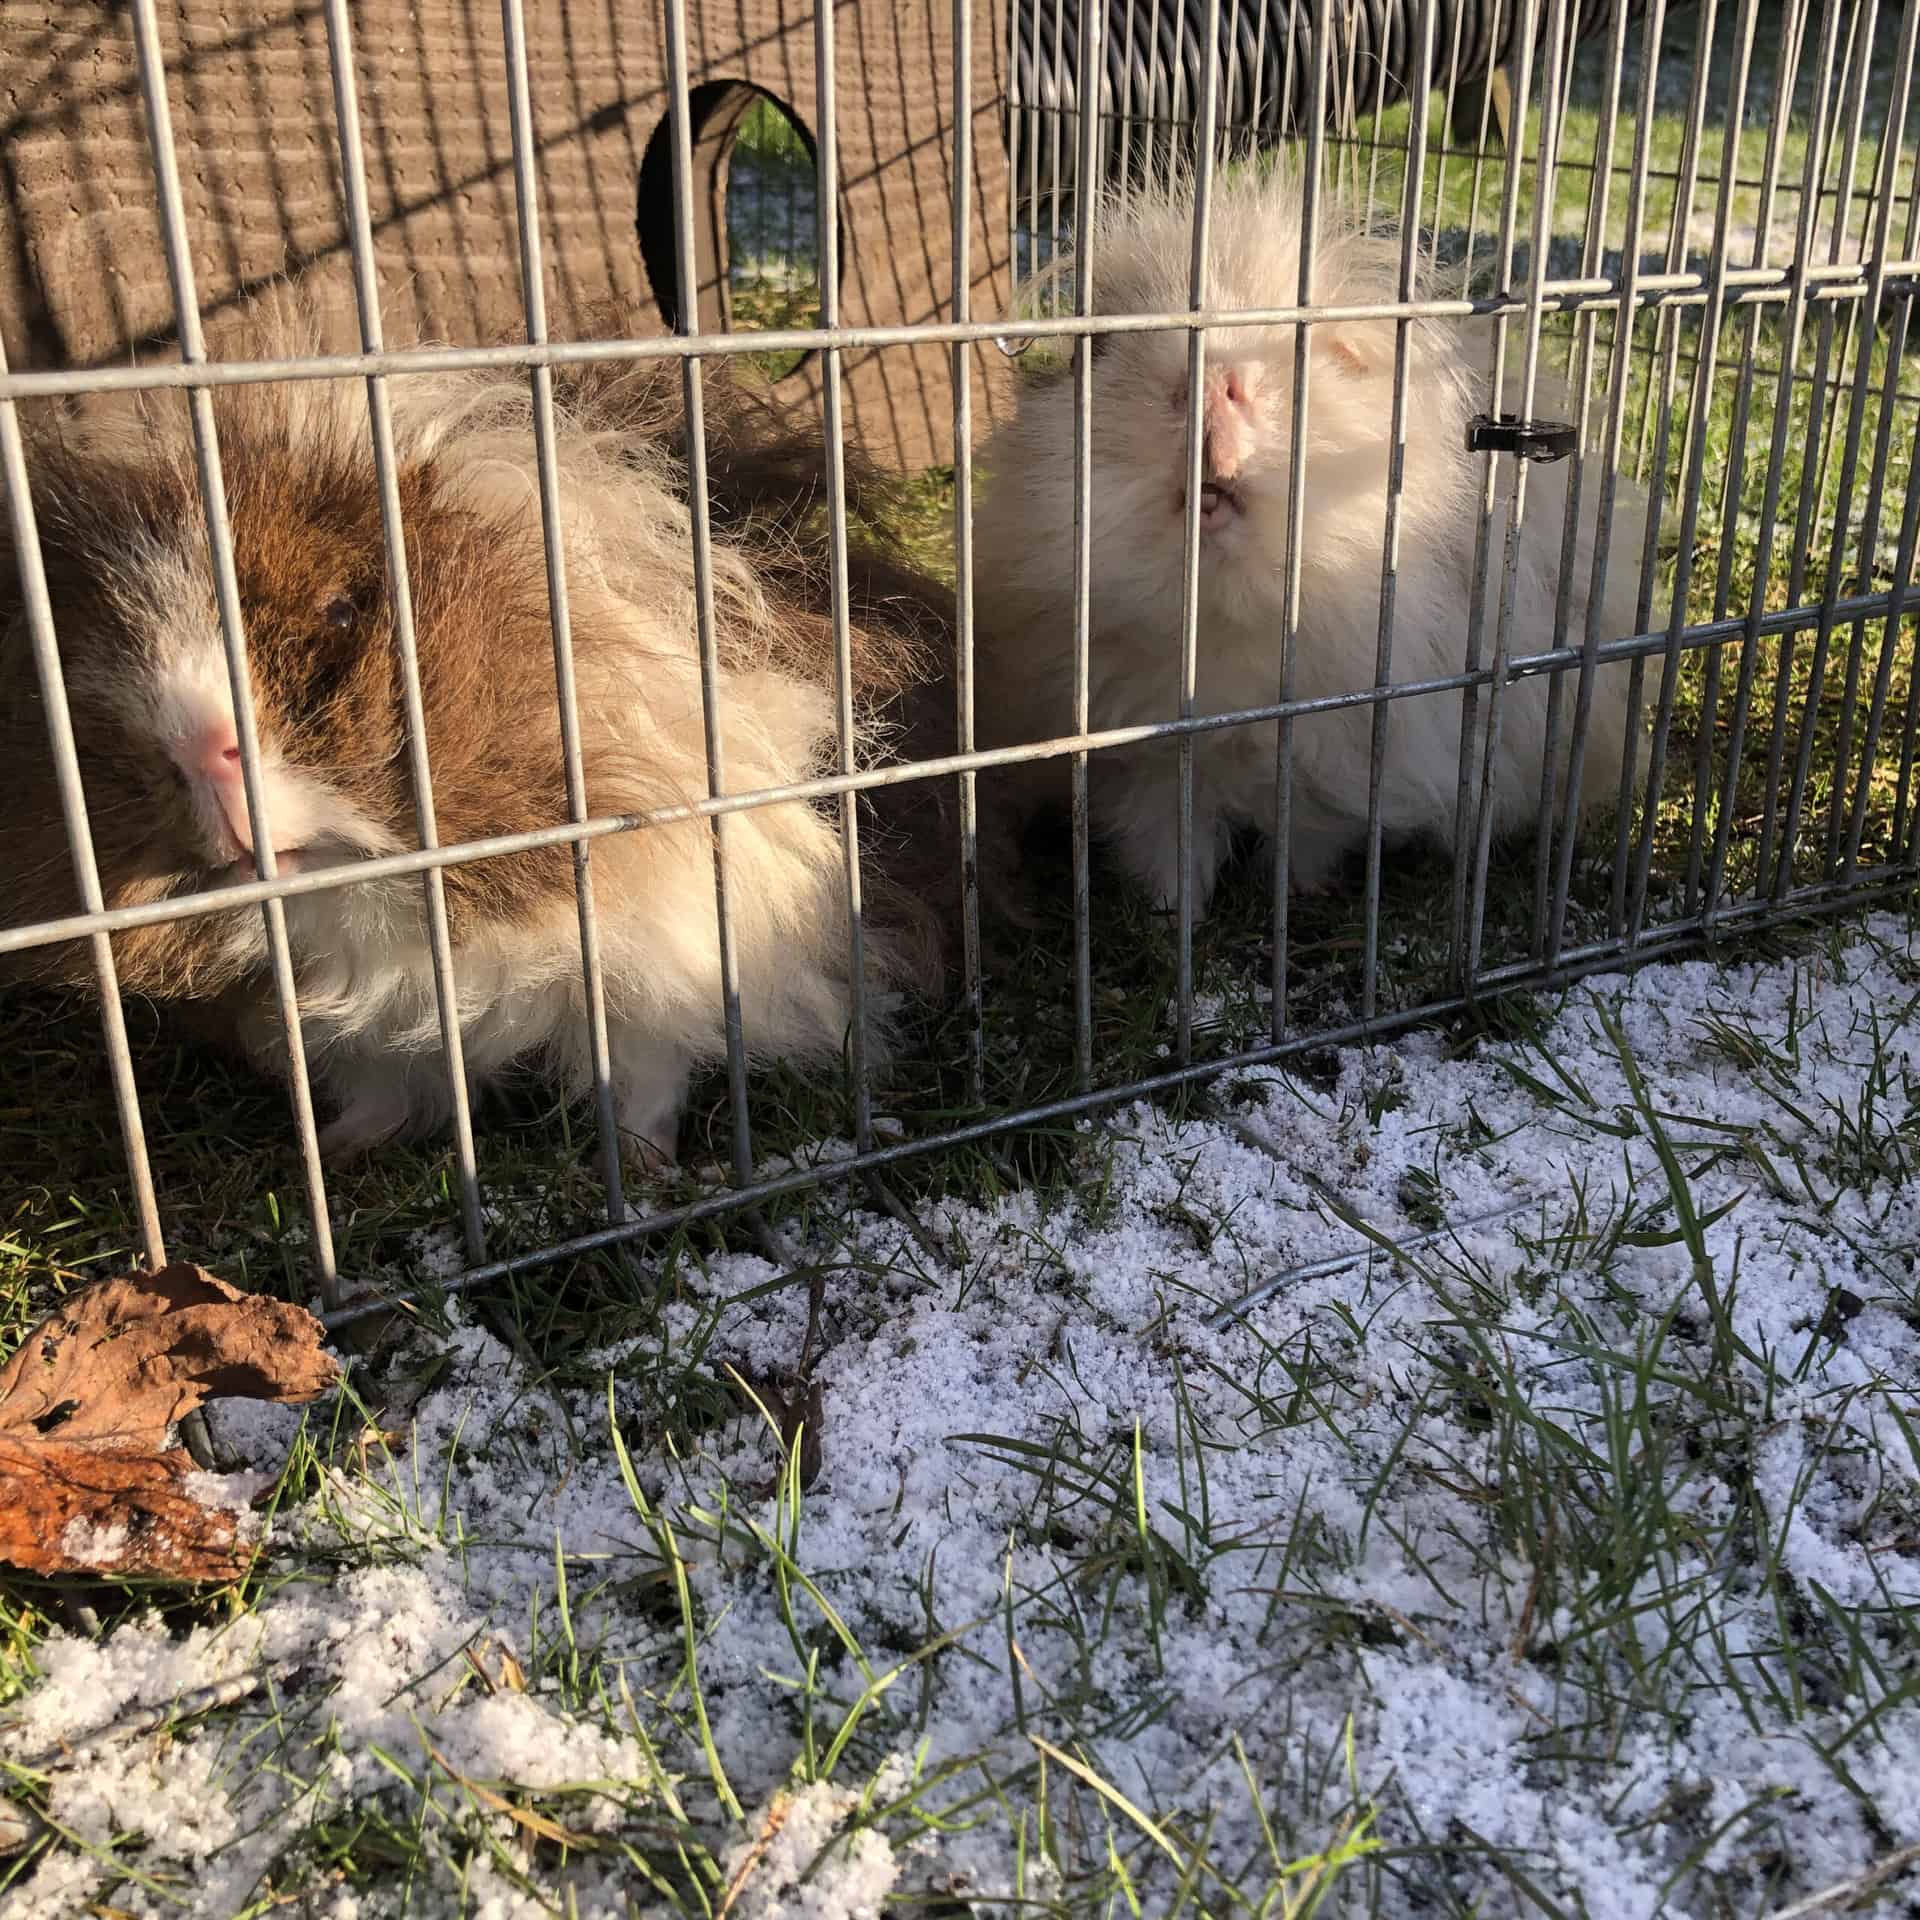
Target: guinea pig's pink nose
(213, 755)
(1229, 421)
(210, 758)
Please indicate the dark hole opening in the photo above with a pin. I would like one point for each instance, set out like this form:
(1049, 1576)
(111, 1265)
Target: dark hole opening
(755, 216)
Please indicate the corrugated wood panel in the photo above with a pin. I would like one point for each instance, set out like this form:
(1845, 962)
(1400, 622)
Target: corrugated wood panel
(82, 277)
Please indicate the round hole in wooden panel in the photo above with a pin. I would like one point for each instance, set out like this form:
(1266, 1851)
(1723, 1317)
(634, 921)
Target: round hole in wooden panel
(755, 216)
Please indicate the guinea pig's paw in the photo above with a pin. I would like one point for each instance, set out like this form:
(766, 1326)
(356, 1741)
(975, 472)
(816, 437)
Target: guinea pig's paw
(372, 1115)
(646, 1157)
(647, 1109)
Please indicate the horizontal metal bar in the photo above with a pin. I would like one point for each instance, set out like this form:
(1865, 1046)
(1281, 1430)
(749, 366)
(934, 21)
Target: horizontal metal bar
(1565, 659)
(1746, 286)
(1877, 884)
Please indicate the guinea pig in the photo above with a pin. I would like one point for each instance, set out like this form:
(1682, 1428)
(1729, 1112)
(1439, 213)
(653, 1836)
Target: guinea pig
(125, 546)
(1024, 546)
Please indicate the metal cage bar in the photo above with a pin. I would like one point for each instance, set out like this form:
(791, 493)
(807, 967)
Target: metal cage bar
(693, 399)
(1390, 548)
(38, 609)
(1837, 284)
(961, 363)
(1089, 41)
(1190, 563)
(213, 497)
(235, 898)
(1548, 908)
(1517, 497)
(833, 425)
(1296, 515)
(533, 293)
(1675, 940)
(393, 534)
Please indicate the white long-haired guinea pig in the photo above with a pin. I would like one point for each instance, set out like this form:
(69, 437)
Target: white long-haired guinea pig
(125, 545)
(1024, 550)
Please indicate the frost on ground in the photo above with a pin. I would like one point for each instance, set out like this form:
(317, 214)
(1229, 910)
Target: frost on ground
(1577, 1552)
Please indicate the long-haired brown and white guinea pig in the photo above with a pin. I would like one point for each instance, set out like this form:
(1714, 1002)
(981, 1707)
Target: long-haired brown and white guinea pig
(125, 546)
(1024, 549)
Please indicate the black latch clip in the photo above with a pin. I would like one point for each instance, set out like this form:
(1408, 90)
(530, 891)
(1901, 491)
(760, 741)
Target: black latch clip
(1528, 439)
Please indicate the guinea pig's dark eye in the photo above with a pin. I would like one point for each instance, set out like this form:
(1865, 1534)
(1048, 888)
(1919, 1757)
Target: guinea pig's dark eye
(1101, 341)
(340, 613)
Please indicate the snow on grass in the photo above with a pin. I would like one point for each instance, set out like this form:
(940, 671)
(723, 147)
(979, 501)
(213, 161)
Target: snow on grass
(1569, 1564)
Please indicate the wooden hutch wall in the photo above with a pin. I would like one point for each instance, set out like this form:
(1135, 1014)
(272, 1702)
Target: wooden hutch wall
(82, 275)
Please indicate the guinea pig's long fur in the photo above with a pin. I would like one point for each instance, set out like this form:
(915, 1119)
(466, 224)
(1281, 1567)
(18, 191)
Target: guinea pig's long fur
(767, 489)
(124, 538)
(1024, 547)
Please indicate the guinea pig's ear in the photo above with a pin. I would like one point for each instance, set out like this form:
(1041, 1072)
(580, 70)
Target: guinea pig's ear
(1356, 349)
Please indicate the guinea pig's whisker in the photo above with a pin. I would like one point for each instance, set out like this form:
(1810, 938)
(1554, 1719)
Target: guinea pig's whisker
(112, 809)
(44, 865)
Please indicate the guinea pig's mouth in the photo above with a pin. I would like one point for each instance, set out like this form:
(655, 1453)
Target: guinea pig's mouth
(1220, 503)
(240, 871)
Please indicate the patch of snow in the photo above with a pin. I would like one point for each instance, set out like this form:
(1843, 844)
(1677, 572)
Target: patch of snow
(787, 1837)
(98, 1543)
(1331, 1551)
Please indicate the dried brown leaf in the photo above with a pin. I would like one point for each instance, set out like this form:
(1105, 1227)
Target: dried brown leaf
(67, 1508)
(88, 1482)
(117, 1364)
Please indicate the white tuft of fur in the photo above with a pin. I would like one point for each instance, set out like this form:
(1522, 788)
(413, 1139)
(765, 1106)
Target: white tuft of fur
(1025, 546)
(362, 959)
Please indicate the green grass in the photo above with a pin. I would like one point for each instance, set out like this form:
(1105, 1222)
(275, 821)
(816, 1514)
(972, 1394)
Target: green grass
(772, 247)
(1578, 1521)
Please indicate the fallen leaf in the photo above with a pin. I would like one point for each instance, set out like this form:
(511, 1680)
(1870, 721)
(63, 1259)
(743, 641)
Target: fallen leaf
(70, 1508)
(89, 1482)
(119, 1363)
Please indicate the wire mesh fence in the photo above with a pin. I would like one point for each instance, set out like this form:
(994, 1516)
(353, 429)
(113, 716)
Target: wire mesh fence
(1696, 231)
